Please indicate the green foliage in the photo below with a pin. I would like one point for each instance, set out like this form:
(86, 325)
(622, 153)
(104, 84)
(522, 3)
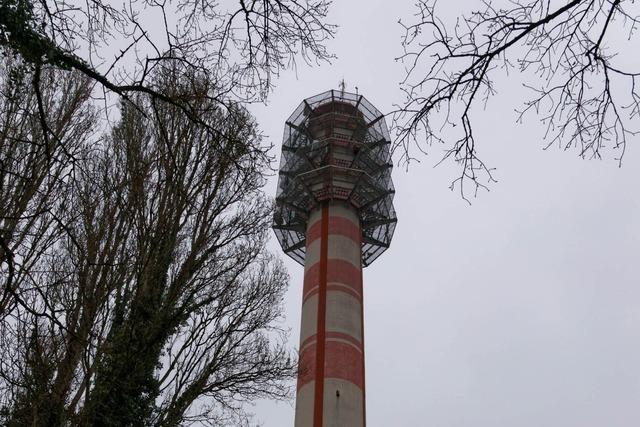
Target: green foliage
(19, 34)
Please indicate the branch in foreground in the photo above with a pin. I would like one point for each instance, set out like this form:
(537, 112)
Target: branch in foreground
(585, 98)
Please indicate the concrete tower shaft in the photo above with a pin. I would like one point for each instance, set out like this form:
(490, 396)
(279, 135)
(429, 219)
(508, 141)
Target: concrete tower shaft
(331, 371)
(334, 214)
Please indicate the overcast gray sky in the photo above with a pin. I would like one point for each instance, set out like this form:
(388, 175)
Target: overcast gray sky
(520, 310)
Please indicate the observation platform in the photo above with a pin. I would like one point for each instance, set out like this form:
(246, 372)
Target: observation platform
(336, 147)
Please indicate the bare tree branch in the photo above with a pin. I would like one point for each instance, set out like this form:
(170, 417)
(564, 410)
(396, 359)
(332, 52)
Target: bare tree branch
(584, 98)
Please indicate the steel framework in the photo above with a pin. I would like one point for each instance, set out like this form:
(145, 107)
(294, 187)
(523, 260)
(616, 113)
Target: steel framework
(336, 147)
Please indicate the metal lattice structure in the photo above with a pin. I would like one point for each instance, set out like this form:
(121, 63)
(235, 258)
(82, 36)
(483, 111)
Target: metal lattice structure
(336, 146)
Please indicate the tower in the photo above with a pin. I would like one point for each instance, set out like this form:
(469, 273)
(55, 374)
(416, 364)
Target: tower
(334, 215)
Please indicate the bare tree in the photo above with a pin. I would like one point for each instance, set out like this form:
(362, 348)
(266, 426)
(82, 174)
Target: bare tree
(36, 165)
(241, 45)
(114, 50)
(136, 286)
(586, 95)
(162, 300)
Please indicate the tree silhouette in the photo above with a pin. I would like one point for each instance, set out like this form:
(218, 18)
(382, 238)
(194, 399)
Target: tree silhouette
(157, 303)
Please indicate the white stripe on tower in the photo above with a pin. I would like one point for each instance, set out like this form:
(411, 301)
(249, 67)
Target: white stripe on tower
(331, 337)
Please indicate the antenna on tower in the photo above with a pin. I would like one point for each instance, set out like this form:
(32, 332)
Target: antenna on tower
(342, 86)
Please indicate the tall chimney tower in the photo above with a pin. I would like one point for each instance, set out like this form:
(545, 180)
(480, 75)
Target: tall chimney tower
(334, 215)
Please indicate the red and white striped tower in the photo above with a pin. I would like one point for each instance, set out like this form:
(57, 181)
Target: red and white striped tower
(334, 214)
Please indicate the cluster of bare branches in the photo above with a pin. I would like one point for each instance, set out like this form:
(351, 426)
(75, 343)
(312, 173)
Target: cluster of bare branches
(137, 287)
(239, 45)
(586, 95)
(36, 165)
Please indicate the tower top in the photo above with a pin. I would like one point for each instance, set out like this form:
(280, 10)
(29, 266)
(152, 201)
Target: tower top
(336, 147)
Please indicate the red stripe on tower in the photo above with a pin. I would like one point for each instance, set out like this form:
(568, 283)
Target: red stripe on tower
(331, 354)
